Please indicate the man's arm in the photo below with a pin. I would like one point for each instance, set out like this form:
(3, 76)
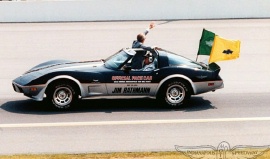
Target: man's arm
(151, 26)
(148, 48)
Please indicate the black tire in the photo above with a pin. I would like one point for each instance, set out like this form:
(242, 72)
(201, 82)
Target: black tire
(62, 95)
(175, 93)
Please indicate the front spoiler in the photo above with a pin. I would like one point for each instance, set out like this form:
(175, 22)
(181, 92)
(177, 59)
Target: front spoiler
(35, 92)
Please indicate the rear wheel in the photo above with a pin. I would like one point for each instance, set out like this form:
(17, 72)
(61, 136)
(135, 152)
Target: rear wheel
(175, 93)
(62, 95)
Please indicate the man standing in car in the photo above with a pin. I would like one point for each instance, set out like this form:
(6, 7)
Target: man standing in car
(139, 43)
(141, 38)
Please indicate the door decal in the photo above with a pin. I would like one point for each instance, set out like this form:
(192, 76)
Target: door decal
(133, 79)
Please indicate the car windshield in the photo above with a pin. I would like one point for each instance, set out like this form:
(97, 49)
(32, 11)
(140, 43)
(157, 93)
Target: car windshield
(178, 60)
(116, 60)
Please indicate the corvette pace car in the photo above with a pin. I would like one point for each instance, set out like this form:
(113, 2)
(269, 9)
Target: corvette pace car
(173, 80)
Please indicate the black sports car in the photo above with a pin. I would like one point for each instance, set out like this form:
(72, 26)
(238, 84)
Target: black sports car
(173, 79)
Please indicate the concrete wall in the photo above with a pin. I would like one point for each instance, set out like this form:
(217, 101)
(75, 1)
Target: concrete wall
(114, 10)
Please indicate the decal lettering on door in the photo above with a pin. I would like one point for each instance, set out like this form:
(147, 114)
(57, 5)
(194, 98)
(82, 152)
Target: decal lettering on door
(131, 79)
(131, 90)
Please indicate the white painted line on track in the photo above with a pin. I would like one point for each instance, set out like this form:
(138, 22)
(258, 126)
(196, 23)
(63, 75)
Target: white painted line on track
(132, 122)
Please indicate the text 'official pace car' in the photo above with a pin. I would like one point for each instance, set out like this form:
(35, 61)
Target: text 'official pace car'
(172, 81)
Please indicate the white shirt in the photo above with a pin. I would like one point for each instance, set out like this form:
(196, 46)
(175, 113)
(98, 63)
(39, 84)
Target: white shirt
(149, 67)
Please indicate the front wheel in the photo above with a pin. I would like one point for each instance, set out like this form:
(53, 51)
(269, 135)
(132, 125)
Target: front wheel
(62, 95)
(175, 93)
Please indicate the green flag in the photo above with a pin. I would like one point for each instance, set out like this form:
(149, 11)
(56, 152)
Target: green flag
(206, 42)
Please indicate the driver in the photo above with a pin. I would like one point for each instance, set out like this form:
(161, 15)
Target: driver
(148, 62)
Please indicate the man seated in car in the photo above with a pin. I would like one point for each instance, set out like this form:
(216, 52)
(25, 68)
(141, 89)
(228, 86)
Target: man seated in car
(148, 62)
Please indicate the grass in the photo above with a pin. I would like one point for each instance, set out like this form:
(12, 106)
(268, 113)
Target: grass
(124, 155)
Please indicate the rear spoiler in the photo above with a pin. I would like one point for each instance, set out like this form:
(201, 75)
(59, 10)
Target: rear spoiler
(215, 68)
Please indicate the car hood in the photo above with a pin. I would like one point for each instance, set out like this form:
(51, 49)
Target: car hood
(64, 65)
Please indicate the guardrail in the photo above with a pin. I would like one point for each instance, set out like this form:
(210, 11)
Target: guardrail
(121, 10)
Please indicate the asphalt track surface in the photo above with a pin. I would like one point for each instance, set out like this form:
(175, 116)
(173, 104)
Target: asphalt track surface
(238, 114)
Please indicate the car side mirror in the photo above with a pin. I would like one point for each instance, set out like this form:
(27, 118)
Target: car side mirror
(127, 68)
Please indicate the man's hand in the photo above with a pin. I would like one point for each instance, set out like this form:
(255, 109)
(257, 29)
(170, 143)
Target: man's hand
(152, 25)
(158, 48)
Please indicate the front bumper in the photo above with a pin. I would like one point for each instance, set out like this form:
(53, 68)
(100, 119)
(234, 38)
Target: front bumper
(35, 91)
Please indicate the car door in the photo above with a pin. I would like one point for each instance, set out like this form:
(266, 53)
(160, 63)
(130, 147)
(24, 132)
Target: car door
(132, 83)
